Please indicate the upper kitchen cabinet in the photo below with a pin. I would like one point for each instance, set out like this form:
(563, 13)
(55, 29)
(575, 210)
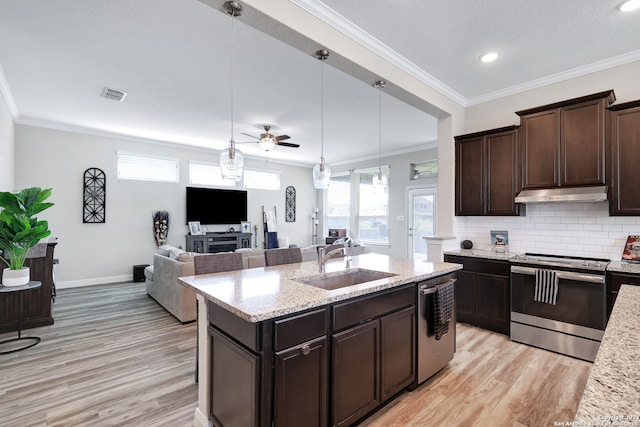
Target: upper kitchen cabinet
(625, 152)
(564, 144)
(487, 168)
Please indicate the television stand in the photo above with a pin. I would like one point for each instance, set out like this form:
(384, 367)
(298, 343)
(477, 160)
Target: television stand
(217, 242)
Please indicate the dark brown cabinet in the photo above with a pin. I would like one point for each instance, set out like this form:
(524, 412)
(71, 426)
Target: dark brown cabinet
(564, 144)
(614, 281)
(397, 352)
(625, 152)
(482, 293)
(487, 171)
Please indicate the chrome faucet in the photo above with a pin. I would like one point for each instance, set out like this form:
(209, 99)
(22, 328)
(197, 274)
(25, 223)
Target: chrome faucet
(322, 261)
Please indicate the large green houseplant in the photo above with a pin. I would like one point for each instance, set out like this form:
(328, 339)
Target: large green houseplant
(20, 230)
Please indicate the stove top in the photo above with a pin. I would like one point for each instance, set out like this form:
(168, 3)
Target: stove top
(596, 264)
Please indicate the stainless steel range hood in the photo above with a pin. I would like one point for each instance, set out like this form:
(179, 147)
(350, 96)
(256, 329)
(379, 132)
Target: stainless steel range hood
(573, 194)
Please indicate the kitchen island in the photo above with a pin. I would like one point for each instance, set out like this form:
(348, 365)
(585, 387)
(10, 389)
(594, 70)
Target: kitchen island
(612, 393)
(264, 336)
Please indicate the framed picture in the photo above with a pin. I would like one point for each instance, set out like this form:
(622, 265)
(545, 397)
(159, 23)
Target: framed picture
(499, 240)
(245, 227)
(194, 228)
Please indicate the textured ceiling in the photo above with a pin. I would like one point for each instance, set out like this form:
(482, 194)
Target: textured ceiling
(173, 57)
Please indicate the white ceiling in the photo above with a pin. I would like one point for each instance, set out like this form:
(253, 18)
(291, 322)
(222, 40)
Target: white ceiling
(173, 57)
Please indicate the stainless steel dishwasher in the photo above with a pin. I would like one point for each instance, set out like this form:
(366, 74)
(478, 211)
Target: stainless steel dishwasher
(433, 354)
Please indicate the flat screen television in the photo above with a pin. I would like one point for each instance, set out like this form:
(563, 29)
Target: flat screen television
(216, 206)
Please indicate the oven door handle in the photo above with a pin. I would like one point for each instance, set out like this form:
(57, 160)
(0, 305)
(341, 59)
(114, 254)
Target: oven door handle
(567, 275)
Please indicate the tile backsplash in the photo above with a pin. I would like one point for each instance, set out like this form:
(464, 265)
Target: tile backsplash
(577, 229)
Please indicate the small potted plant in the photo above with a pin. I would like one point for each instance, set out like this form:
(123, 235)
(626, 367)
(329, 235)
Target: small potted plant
(20, 230)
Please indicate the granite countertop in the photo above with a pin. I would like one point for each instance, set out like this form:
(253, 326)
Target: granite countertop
(481, 253)
(259, 294)
(613, 387)
(624, 267)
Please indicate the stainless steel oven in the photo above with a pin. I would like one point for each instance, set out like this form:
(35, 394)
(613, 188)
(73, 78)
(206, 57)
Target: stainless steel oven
(575, 323)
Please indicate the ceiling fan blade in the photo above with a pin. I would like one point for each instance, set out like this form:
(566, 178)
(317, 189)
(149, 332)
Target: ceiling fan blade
(282, 137)
(288, 144)
(250, 136)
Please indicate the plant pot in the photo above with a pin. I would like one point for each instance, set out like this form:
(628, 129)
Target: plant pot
(15, 277)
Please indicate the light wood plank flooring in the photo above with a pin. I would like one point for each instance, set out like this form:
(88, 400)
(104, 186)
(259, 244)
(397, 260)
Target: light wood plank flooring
(115, 357)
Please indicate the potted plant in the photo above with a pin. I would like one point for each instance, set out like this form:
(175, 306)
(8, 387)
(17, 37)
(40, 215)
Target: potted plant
(20, 230)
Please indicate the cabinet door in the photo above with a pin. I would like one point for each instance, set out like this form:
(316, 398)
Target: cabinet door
(466, 297)
(398, 349)
(625, 151)
(492, 302)
(614, 281)
(235, 382)
(582, 143)
(502, 173)
(355, 376)
(469, 177)
(301, 385)
(540, 142)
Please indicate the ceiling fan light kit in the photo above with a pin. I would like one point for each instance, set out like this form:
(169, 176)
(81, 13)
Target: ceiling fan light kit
(321, 171)
(231, 159)
(380, 181)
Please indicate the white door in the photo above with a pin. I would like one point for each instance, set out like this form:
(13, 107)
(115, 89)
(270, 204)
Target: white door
(421, 220)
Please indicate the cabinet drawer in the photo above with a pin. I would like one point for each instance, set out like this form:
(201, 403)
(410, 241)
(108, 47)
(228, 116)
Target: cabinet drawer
(481, 265)
(244, 331)
(354, 312)
(300, 328)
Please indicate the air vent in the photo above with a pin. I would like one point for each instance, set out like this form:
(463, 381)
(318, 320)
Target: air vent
(116, 95)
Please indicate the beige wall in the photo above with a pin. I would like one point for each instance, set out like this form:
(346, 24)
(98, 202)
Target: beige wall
(104, 253)
(7, 144)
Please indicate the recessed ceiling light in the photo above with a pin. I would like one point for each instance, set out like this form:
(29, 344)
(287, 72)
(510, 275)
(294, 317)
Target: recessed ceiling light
(489, 57)
(629, 5)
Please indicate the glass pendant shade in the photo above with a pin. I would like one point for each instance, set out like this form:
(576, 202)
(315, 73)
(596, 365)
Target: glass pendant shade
(267, 143)
(231, 163)
(321, 175)
(380, 182)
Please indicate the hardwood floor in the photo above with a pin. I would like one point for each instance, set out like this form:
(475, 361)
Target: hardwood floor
(115, 357)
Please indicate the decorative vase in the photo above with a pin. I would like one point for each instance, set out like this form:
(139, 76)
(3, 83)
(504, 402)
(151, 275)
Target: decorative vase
(15, 277)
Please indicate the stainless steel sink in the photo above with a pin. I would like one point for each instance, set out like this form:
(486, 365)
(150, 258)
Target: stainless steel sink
(342, 279)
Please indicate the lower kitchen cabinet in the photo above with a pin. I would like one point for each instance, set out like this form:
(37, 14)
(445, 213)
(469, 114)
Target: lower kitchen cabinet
(300, 393)
(397, 352)
(614, 281)
(482, 293)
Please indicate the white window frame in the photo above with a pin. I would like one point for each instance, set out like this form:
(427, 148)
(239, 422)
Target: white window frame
(264, 183)
(211, 171)
(147, 167)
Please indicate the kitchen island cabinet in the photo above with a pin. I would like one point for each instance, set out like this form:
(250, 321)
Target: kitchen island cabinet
(482, 292)
(279, 352)
(564, 144)
(625, 152)
(618, 274)
(487, 169)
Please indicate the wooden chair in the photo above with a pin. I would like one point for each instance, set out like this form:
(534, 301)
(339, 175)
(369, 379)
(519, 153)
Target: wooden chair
(282, 256)
(214, 263)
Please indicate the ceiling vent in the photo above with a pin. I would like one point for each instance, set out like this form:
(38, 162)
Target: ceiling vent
(116, 95)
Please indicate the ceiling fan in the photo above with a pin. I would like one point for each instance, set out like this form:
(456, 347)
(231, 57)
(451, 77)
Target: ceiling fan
(267, 141)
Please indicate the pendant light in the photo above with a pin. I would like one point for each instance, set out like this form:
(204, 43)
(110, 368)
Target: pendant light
(231, 159)
(380, 181)
(322, 172)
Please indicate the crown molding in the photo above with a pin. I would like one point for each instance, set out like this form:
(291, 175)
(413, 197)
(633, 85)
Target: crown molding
(357, 34)
(8, 96)
(558, 77)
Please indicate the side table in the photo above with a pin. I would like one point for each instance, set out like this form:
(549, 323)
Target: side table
(31, 341)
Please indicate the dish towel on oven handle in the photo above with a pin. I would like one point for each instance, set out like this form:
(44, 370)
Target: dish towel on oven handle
(443, 307)
(546, 289)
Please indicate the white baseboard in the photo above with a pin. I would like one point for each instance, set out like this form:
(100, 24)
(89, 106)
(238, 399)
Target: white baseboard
(95, 281)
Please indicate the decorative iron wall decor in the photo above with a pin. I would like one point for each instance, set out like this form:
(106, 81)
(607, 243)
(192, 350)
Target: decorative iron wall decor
(94, 194)
(290, 205)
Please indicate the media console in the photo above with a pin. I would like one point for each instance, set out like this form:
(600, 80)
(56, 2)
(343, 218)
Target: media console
(217, 242)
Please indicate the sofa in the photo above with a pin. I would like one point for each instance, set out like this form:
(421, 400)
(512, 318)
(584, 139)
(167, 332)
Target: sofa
(169, 263)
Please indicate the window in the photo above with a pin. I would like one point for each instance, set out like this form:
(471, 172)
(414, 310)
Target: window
(368, 218)
(428, 169)
(207, 174)
(261, 180)
(148, 168)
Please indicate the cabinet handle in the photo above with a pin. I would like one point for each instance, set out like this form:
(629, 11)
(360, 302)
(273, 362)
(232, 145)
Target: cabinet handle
(305, 349)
